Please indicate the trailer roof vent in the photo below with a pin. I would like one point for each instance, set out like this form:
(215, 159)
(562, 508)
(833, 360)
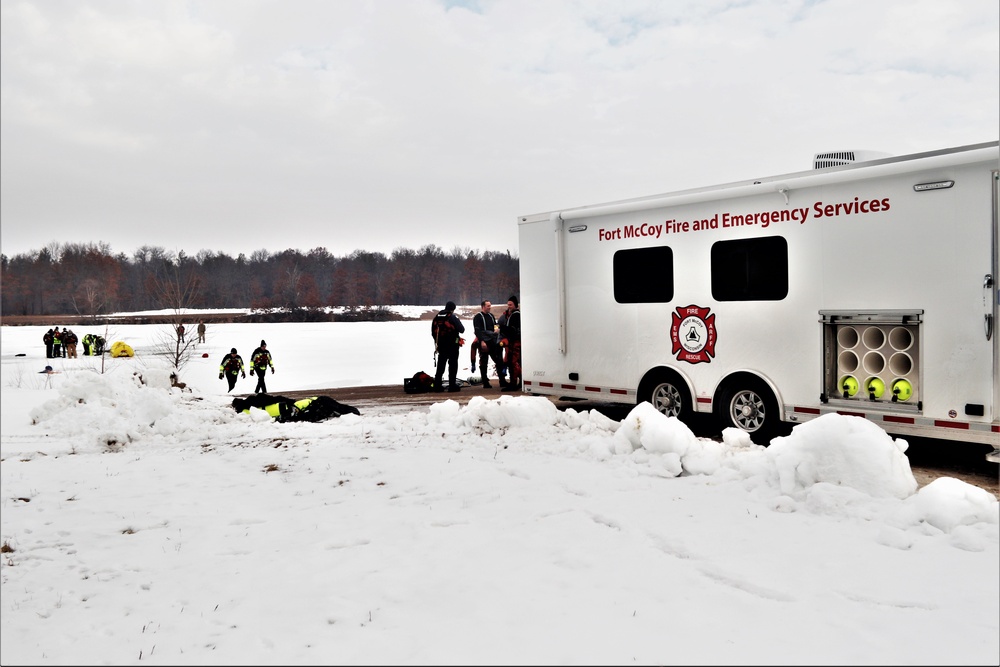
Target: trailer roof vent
(838, 158)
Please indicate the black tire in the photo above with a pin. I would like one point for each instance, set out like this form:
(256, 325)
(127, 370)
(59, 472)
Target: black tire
(668, 396)
(750, 406)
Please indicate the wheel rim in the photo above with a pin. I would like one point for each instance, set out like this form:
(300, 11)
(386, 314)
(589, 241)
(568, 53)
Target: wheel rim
(746, 410)
(667, 399)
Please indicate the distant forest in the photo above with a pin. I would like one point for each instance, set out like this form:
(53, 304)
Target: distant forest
(88, 280)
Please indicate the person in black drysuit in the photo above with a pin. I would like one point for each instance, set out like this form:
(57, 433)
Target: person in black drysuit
(445, 328)
(284, 409)
(231, 366)
(488, 339)
(510, 330)
(47, 338)
(260, 359)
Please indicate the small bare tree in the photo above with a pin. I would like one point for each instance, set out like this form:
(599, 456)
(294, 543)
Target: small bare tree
(89, 298)
(170, 345)
(177, 290)
(105, 345)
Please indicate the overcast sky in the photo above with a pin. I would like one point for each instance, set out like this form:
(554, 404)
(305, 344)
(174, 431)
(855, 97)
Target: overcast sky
(234, 126)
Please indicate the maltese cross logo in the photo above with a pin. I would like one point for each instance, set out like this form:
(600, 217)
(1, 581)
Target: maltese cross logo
(693, 334)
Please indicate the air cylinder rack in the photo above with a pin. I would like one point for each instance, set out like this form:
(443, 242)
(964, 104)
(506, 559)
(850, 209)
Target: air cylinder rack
(872, 357)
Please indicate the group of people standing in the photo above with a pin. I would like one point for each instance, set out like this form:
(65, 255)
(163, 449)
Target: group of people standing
(496, 339)
(232, 367)
(60, 344)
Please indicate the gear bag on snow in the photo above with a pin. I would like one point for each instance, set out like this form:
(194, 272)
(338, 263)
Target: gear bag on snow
(420, 383)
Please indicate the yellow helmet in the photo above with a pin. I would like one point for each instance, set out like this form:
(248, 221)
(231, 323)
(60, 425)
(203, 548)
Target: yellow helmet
(902, 390)
(875, 387)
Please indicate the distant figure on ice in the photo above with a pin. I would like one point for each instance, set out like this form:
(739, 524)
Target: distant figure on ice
(56, 343)
(70, 341)
(201, 332)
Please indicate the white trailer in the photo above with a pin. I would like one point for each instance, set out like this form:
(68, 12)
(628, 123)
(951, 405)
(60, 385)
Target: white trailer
(867, 289)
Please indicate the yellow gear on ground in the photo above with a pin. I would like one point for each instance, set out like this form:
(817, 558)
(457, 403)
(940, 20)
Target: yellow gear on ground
(121, 349)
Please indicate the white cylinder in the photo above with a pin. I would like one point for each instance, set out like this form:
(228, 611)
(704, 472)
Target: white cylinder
(873, 338)
(900, 363)
(874, 362)
(847, 337)
(847, 362)
(900, 339)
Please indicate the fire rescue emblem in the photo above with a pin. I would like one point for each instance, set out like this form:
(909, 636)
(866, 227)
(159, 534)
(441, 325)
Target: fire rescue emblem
(693, 334)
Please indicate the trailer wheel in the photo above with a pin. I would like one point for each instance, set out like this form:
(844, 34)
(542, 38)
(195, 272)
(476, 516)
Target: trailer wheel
(751, 407)
(667, 396)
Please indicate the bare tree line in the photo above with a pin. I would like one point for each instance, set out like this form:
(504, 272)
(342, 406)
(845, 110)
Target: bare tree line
(89, 280)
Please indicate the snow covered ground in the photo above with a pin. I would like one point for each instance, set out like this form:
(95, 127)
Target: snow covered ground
(143, 524)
